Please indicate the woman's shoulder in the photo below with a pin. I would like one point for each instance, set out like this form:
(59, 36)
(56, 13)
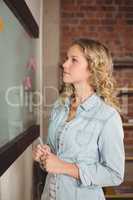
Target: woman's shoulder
(58, 103)
(56, 108)
(107, 111)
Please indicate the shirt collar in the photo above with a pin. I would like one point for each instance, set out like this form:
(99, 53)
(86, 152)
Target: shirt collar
(89, 103)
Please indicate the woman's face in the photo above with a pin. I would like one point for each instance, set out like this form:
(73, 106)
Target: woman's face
(75, 68)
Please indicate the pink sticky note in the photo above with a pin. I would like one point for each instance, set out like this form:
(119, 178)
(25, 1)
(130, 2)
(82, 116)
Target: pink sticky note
(32, 64)
(27, 82)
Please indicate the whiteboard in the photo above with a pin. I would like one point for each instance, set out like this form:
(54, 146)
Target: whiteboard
(17, 76)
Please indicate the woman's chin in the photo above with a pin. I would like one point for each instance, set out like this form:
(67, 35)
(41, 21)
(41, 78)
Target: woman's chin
(65, 80)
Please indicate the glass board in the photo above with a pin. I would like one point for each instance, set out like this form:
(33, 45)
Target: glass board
(17, 76)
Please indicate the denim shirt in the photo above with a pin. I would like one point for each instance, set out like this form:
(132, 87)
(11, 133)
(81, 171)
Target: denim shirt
(93, 140)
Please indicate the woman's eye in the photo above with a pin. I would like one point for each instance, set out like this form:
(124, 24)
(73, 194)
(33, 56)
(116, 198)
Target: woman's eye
(74, 60)
(66, 58)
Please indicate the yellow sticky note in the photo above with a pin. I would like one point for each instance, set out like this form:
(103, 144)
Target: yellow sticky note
(1, 24)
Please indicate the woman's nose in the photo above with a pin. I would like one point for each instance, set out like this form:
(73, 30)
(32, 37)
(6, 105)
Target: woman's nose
(65, 64)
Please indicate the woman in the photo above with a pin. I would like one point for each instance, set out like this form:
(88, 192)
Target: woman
(85, 149)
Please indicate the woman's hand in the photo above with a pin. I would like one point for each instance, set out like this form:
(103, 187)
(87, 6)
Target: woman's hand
(55, 165)
(40, 151)
(52, 163)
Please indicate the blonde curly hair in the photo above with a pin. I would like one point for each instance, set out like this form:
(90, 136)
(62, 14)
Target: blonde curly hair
(100, 65)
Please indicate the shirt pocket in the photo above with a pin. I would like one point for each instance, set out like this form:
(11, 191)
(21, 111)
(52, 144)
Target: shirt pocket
(85, 135)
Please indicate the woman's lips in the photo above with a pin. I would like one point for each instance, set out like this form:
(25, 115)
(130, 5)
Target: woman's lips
(66, 73)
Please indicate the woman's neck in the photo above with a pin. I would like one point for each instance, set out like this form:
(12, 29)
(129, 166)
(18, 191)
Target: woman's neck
(82, 92)
(80, 95)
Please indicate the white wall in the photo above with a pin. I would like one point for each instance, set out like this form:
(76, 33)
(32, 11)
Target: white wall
(51, 55)
(16, 182)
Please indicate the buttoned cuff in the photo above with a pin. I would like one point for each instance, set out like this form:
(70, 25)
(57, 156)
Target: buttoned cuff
(85, 179)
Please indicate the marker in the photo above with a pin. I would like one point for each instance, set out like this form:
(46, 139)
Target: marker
(40, 140)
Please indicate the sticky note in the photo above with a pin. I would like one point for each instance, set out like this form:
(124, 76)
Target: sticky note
(1, 24)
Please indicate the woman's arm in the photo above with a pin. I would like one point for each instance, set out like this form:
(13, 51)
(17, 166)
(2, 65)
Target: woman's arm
(110, 170)
(71, 170)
